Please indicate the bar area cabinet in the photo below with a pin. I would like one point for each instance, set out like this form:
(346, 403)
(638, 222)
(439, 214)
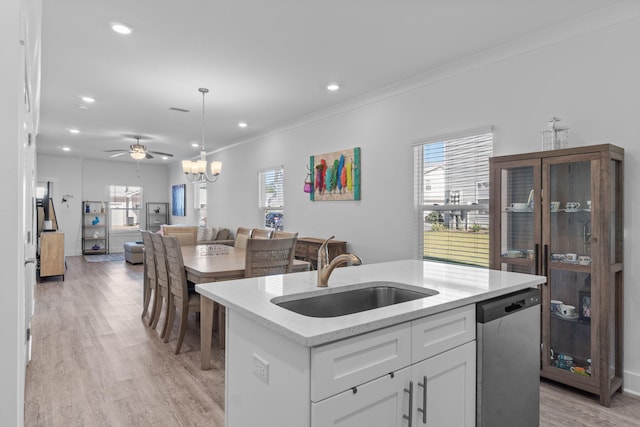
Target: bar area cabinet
(558, 214)
(95, 227)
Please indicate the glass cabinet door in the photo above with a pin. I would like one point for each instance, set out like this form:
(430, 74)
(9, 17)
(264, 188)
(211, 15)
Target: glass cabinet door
(567, 246)
(519, 208)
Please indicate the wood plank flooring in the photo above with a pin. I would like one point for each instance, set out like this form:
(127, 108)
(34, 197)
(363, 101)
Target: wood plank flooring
(94, 363)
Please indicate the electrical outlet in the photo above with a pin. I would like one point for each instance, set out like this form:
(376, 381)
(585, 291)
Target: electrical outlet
(261, 368)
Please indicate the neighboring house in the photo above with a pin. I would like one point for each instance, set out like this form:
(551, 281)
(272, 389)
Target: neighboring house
(434, 192)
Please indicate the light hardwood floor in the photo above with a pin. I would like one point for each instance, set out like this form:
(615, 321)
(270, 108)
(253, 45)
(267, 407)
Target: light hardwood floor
(94, 363)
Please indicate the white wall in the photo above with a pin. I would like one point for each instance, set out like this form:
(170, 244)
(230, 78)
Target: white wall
(590, 80)
(89, 180)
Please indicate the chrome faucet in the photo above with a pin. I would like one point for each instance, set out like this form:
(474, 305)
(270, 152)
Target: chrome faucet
(325, 267)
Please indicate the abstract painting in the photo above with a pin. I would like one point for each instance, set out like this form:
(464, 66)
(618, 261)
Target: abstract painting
(336, 175)
(178, 199)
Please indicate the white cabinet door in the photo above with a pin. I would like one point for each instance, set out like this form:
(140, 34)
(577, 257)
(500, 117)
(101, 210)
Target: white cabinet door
(382, 402)
(450, 388)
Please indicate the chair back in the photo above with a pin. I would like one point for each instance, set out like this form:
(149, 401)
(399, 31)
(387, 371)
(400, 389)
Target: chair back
(149, 257)
(242, 234)
(284, 235)
(261, 233)
(187, 235)
(175, 268)
(162, 274)
(267, 257)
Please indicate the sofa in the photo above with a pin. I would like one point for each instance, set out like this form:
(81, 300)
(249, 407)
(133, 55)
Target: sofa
(193, 235)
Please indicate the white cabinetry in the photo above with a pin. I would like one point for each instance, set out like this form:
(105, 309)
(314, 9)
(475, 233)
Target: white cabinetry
(374, 379)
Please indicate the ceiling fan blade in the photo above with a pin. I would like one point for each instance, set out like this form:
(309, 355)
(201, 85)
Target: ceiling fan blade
(149, 156)
(160, 153)
(114, 151)
(119, 154)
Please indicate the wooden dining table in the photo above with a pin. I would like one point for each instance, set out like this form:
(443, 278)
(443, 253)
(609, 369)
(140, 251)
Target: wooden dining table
(214, 263)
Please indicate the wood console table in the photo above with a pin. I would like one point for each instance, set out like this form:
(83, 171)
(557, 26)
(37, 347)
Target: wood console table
(307, 249)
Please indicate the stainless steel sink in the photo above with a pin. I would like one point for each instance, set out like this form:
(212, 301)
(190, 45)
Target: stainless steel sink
(340, 303)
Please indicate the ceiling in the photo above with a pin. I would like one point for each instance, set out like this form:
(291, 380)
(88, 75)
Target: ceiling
(266, 63)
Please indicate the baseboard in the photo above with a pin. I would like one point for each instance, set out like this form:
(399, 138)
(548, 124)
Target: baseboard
(631, 383)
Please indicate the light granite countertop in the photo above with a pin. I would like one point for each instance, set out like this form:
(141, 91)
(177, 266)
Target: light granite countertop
(456, 285)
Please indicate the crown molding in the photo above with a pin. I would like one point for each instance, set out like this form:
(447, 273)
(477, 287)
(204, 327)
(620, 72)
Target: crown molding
(600, 19)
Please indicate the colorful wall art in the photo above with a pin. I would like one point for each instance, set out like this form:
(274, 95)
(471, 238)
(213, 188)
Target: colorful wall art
(178, 199)
(336, 176)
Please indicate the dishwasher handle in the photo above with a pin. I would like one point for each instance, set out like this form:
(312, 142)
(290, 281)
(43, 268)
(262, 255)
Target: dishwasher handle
(518, 305)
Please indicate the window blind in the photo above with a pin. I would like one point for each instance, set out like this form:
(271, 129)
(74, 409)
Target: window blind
(271, 188)
(452, 198)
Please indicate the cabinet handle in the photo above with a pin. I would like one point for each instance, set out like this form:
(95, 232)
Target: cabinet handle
(29, 261)
(410, 391)
(423, 384)
(536, 258)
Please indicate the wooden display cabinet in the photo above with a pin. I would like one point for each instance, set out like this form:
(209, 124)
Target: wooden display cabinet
(578, 248)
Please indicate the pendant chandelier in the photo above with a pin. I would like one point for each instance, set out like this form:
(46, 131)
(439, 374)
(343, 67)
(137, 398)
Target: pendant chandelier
(196, 170)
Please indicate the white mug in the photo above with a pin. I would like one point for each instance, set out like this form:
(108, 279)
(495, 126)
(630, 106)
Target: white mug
(571, 257)
(572, 205)
(555, 206)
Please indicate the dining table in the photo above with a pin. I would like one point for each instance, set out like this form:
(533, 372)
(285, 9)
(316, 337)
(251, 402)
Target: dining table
(214, 263)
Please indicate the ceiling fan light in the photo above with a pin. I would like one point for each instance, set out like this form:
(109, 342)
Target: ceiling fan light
(138, 155)
(216, 168)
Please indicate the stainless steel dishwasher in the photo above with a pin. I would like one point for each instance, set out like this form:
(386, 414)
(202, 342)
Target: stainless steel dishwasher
(508, 360)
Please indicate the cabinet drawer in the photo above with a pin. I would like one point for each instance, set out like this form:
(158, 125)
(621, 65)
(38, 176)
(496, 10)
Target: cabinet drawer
(344, 364)
(441, 332)
(379, 403)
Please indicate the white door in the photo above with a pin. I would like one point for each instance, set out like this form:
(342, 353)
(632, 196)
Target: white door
(450, 379)
(379, 403)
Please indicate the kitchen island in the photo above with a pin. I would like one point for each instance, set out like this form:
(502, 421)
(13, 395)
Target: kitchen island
(371, 367)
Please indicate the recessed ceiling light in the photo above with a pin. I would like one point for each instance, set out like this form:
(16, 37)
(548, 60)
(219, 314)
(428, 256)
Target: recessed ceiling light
(88, 99)
(164, 157)
(195, 144)
(74, 130)
(333, 87)
(121, 28)
(242, 124)
(82, 107)
(65, 148)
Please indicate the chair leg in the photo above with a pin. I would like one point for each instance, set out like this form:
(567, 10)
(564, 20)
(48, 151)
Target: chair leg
(152, 313)
(221, 326)
(183, 327)
(146, 294)
(157, 309)
(169, 323)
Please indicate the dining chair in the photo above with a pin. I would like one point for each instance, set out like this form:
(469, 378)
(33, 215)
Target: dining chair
(261, 233)
(268, 257)
(150, 281)
(278, 234)
(186, 235)
(163, 296)
(263, 257)
(242, 234)
(181, 299)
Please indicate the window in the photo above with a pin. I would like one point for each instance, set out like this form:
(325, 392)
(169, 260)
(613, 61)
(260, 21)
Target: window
(271, 196)
(124, 207)
(200, 190)
(452, 198)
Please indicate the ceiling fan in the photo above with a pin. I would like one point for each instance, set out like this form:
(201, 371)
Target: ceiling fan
(137, 151)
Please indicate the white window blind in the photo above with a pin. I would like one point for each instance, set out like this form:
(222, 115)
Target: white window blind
(271, 196)
(452, 197)
(201, 203)
(271, 188)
